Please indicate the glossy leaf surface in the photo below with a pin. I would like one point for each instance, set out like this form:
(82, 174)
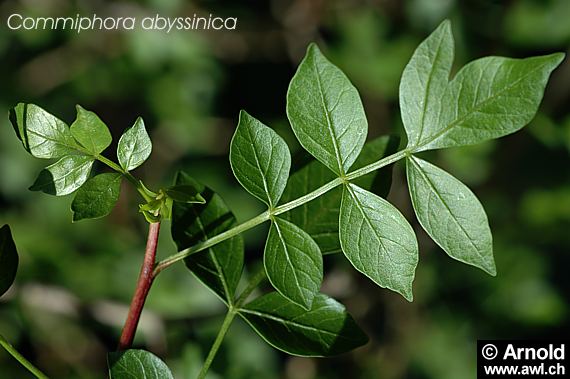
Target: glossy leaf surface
(293, 262)
(326, 113)
(90, 131)
(64, 176)
(378, 240)
(134, 146)
(134, 363)
(260, 159)
(319, 217)
(451, 214)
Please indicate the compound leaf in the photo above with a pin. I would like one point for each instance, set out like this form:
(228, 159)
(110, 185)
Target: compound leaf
(324, 330)
(293, 262)
(220, 266)
(378, 240)
(326, 113)
(97, 197)
(8, 259)
(260, 159)
(42, 134)
(64, 176)
(90, 131)
(451, 214)
(137, 364)
(319, 217)
(134, 146)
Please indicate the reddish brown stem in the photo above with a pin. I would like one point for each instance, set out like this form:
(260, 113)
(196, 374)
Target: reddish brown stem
(143, 287)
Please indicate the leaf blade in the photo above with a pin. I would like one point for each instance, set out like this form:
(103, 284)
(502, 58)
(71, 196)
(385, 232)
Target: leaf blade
(135, 363)
(293, 262)
(42, 134)
(64, 176)
(90, 131)
(134, 146)
(424, 81)
(97, 197)
(451, 214)
(493, 97)
(8, 259)
(220, 266)
(319, 217)
(325, 330)
(260, 159)
(320, 94)
(377, 240)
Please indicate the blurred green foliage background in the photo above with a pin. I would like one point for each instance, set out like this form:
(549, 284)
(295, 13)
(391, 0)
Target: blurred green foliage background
(75, 280)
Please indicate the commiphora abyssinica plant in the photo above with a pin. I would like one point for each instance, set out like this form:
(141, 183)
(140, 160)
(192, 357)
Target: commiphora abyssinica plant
(333, 204)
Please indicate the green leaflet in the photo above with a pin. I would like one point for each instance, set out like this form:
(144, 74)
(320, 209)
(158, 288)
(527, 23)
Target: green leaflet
(220, 266)
(134, 146)
(423, 83)
(378, 240)
(97, 197)
(293, 262)
(324, 330)
(90, 131)
(260, 159)
(451, 214)
(319, 217)
(8, 259)
(43, 135)
(133, 363)
(326, 113)
(64, 176)
(488, 98)
(491, 97)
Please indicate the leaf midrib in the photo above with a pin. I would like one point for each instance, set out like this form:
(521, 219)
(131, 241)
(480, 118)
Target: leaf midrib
(476, 108)
(327, 116)
(434, 190)
(291, 323)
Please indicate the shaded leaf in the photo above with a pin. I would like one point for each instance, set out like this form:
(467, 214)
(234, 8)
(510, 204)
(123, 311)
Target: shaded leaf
(293, 262)
(378, 240)
(134, 363)
(64, 176)
(326, 113)
(260, 159)
(324, 330)
(90, 131)
(42, 134)
(97, 197)
(319, 217)
(8, 259)
(185, 194)
(451, 214)
(134, 146)
(220, 266)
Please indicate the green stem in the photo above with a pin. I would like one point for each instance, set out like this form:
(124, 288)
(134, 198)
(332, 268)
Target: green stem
(137, 183)
(20, 358)
(217, 342)
(278, 210)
